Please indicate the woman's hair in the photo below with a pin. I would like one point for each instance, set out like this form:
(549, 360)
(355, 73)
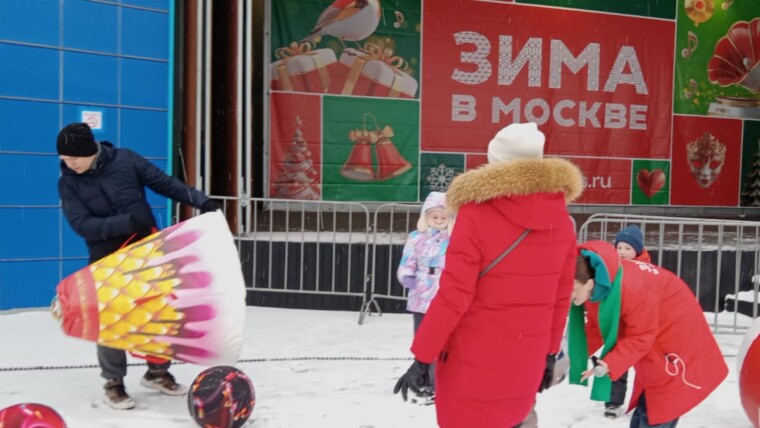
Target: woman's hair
(583, 269)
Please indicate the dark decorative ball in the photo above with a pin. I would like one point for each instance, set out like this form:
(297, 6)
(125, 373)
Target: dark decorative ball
(221, 397)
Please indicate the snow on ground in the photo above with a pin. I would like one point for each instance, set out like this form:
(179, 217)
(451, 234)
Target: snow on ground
(350, 388)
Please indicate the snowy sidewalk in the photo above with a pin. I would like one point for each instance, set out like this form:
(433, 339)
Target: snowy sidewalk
(336, 393)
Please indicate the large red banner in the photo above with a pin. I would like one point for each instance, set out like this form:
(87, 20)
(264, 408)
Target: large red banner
(595, 87)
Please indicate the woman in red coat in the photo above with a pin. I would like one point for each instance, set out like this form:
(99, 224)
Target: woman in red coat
(645, 317)
(496, 335)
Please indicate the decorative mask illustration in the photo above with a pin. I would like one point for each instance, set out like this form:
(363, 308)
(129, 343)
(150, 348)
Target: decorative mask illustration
(706, 156)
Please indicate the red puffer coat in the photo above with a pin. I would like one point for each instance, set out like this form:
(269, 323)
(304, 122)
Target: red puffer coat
(663, 334)
(494, 333)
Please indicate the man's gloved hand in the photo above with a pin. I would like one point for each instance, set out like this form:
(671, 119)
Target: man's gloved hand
(417, 378)
(546, 381)
(210, 206)
(140, 224)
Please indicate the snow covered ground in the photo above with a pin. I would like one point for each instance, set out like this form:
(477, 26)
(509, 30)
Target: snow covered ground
(351, 387)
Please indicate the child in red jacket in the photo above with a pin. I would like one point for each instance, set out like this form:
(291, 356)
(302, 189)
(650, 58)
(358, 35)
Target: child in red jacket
(645, 317)
(629, 243)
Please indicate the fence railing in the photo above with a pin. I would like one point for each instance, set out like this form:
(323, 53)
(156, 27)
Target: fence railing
(391, 225)
(717, 258)
(342, 249)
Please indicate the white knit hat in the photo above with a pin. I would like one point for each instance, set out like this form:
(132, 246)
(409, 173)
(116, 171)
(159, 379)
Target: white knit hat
(518, 140)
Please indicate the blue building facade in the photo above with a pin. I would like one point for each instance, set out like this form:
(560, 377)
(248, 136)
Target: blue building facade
(62, 61)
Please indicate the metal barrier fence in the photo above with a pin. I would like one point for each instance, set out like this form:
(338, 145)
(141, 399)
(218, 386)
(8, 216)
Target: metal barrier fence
(719, 259)
(391, 225)
(319, 248)
(303, 247)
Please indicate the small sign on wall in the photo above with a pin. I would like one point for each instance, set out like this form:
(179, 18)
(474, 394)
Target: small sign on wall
(94, 118)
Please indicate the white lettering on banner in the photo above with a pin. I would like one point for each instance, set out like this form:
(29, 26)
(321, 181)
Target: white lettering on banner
(638, 118)
(616, 116)
(560, 54)
(597, 182)
(479, 58)
(626, 56)
(625, 70)
(561, 120)
(530, 54)
(463, 108)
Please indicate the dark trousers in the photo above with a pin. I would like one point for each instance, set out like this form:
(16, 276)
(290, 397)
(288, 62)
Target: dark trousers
(641, 420)
(617, 393)
(113, 363)
(417, 317)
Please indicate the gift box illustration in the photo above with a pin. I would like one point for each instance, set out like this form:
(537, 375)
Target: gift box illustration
(359, 165)
(300, 68)
(376, 71)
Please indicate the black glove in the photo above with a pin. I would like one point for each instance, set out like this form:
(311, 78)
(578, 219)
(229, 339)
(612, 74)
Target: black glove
(417, 378)
(546, 381)
(210, 206)
(140, 224)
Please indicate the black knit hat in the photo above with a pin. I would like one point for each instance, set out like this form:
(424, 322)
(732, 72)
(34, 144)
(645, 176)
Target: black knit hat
(76, 139)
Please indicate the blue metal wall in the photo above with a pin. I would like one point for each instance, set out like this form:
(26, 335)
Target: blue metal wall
(57, 58)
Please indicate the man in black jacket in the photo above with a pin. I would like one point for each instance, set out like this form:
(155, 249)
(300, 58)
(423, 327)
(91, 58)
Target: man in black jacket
(102, 190)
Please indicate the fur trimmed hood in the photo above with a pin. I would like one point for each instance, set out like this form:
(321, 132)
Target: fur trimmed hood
(515, 178)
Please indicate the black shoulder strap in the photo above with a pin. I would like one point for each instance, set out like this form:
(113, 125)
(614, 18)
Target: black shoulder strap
(504, 254)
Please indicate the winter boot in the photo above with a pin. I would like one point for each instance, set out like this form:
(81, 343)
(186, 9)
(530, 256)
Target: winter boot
(163, 381)
(613, 411)
(116, 396)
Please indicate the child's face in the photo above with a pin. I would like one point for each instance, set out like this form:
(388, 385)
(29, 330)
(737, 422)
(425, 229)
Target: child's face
(582, 291)
(625, 251)
(437, 218)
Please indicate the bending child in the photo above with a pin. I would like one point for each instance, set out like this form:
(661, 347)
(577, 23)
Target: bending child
(645, 317)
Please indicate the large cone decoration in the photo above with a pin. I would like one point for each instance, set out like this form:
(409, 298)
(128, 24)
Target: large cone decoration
(177, 294)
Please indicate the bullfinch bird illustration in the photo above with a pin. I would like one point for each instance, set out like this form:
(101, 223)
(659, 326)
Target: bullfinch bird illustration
(350, 20)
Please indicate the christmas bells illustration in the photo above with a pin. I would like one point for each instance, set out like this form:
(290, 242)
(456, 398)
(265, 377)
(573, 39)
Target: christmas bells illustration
(359, 165)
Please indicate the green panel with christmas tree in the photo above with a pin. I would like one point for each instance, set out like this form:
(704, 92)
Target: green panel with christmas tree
(437, 170)
(346, 47)
(654, 8)
(716, 69)
(750, 194)
(370, 149)
(650, 182)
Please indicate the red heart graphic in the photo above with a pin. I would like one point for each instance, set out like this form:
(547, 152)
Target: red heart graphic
(650, 182)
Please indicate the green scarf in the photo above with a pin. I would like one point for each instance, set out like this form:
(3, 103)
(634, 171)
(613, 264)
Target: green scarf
(608, 294)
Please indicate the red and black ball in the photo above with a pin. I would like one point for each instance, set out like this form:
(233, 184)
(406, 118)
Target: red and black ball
(221, 397)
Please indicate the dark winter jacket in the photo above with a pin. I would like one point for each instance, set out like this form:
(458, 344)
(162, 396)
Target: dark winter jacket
(107, 204)
(496, 331)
